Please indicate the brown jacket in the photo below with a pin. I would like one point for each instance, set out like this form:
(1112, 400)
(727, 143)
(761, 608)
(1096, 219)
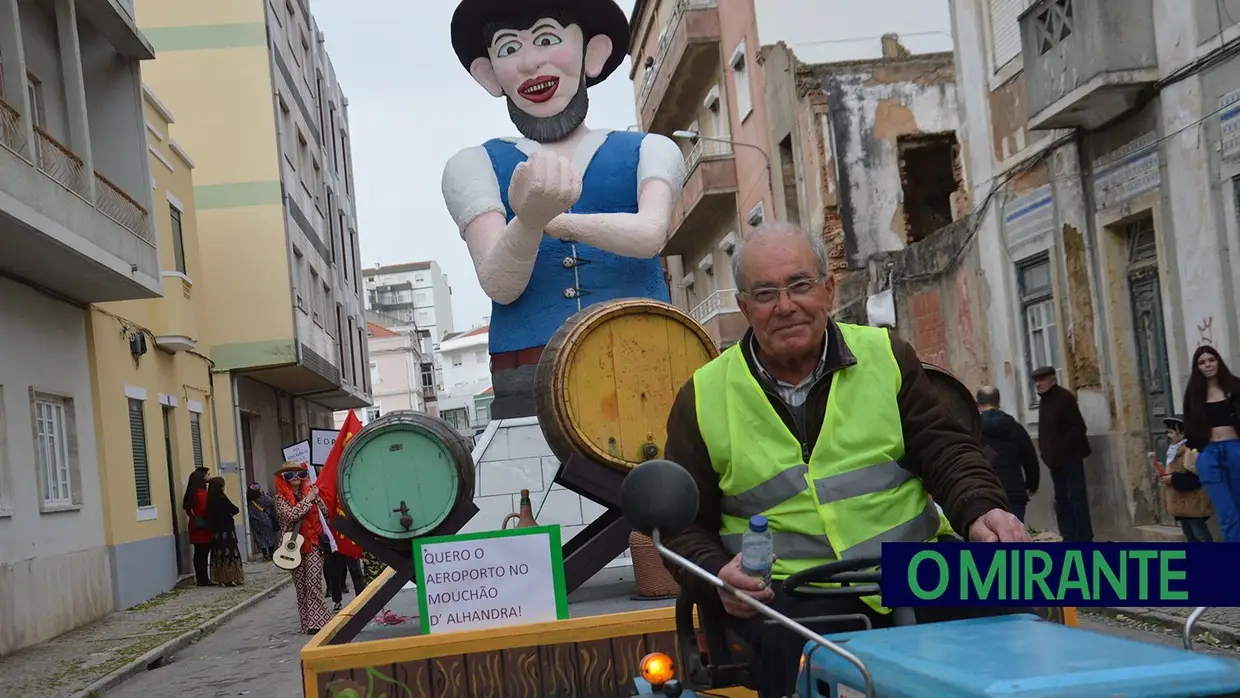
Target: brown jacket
(939, 450)
(1186, 503)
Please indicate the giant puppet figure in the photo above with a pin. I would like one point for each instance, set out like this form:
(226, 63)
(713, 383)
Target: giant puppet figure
(566, 216)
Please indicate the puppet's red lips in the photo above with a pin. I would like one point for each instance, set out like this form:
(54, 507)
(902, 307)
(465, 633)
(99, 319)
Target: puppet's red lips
(539, 89)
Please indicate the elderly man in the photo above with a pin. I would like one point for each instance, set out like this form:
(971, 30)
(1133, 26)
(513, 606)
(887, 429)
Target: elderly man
(809, 421)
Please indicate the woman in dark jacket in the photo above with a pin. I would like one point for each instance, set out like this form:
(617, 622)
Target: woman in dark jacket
(194, 503)
(1212, 427)
(226, 569)
(262, 512)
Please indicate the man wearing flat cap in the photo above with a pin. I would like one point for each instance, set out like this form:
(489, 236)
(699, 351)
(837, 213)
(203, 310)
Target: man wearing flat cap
(1064, 446)
(565, 216)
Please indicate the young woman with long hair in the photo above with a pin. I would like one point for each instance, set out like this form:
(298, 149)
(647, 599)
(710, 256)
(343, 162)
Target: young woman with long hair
(1212, 427)
(226, 568)
(297, 508)
(194, 504)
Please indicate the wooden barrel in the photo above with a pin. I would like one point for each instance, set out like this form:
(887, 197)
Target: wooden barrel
(403, 474)
(956, 398)
(608, 377)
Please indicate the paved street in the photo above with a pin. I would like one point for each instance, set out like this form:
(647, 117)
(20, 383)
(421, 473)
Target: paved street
(256, 654)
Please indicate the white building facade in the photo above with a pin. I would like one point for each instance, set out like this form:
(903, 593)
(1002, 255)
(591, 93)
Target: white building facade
(75, 192)
(466, 366)
(1104, 168)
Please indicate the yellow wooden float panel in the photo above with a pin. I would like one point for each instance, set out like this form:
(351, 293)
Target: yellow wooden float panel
(624, 376)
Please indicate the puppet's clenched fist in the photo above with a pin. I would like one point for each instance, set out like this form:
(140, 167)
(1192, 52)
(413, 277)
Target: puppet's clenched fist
(543, 187)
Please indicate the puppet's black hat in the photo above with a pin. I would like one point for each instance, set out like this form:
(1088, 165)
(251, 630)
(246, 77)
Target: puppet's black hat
(595, 17)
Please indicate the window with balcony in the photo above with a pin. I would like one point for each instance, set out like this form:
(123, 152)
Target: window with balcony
(141, 466)
(178, 239)
(1037, 309)
(458, 360)
(375, 378)
(55, 441)
(740, 71)
(458, 418)
(372, 413)
(929, 176)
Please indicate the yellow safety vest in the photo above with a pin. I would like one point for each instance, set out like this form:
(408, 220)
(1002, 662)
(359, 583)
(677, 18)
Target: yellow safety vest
(851, 497)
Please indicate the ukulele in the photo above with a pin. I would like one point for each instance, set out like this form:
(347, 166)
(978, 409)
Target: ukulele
(288, 556)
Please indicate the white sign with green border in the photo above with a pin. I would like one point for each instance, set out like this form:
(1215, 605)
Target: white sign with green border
(490, 579)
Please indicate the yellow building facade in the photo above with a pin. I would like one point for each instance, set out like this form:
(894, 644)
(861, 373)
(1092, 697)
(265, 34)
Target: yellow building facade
(264, 117)
(159, 410)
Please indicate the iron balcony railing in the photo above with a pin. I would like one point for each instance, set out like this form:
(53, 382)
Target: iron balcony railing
(665, 43)
(114, 203)
(61, 164)
(11, 128)
(719, 302)
(704, 149)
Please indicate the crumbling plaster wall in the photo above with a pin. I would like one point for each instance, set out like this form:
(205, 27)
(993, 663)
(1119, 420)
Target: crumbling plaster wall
(870, 105)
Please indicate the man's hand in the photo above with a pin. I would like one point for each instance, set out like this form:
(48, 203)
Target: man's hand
(998, 526)
(734, 575)
(543, 187)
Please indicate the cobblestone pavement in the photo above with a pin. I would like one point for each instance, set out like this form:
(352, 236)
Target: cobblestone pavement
(75, 660)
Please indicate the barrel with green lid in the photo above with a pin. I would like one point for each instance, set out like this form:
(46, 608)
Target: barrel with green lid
(402, 475)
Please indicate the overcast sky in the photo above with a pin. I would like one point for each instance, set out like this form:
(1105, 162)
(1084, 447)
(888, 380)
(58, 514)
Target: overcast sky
(412, 106)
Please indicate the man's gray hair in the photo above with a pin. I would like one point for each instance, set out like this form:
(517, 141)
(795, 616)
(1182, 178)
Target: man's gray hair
(987, 396)
(779, 228)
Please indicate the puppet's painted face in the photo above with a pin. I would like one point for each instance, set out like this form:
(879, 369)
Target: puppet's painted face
(540, 69)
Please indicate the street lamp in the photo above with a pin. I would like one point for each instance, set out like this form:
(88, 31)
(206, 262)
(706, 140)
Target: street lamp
(695, 136)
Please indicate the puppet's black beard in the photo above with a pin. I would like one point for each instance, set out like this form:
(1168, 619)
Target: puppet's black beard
(551, 129)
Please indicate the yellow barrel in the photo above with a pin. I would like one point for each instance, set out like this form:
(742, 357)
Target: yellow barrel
(608, 377)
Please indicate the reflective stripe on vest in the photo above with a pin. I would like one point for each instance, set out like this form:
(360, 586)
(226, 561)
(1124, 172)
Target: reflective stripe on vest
(851, 497)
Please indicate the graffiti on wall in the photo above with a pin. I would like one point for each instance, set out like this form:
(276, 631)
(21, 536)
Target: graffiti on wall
(1205, 332)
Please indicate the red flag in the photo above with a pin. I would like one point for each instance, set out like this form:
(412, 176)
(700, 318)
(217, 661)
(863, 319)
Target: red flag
(327, 476)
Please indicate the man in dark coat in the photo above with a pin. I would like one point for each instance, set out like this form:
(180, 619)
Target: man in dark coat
(1011, 451)
(1064, 448)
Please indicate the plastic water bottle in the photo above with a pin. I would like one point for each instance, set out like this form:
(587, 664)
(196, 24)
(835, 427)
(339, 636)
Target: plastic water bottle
(757, 552)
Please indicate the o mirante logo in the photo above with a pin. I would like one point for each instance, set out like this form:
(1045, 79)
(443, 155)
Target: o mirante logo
(1061, 574)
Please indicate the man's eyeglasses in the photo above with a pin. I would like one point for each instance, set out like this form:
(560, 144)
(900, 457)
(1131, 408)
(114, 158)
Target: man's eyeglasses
(293, 475)
(768, 295)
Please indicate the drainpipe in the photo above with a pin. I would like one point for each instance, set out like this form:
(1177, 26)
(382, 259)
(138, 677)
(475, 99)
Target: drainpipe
(245, 520)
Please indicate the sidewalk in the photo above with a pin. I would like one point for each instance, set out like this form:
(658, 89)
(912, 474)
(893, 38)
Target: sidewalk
(95, 657)
(1217, 626)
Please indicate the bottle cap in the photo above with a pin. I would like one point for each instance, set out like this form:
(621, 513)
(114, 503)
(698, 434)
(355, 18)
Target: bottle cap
(757, 523)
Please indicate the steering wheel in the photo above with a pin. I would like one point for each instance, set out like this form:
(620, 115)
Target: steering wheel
(857, 573)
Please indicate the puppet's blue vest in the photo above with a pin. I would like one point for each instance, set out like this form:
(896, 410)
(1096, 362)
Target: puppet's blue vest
(608, 186)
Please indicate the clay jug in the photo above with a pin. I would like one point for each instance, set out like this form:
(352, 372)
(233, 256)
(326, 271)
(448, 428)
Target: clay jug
(525, 519)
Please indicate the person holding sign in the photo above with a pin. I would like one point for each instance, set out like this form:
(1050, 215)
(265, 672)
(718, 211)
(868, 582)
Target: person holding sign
(299, 509)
